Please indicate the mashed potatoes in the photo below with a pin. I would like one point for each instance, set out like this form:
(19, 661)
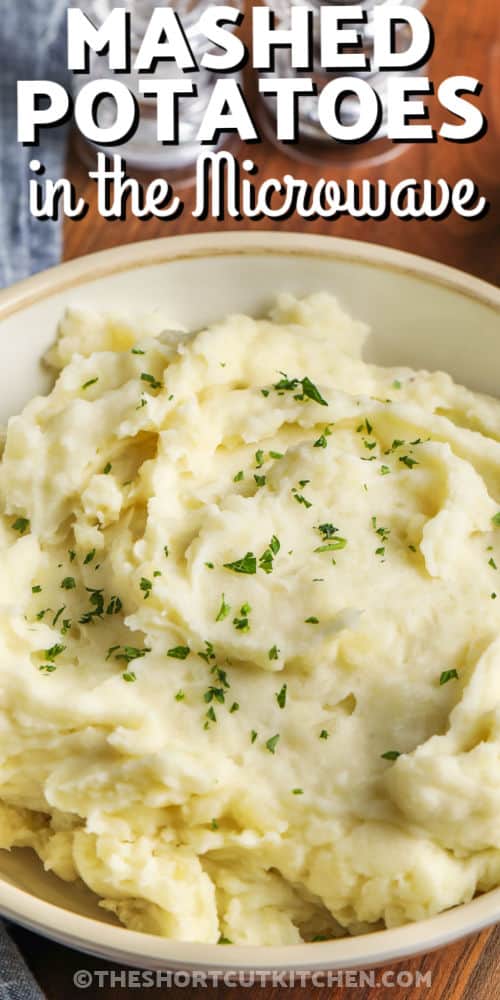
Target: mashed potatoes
(249, 629)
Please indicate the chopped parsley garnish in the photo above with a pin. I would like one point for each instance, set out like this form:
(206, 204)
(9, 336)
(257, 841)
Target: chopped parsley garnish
(409, 462)
(165, 551)
(151, 380)
(209, 565)
(89, 557)
(180, 696)
(214, 824)
(448, 675)
(380, 551)
(321, 442)
(97, 607)
(69, 583)
(48, 668)
(412, 548)
(274, 545)
(129, 653)
(323, 735)
(107, 468)
(242, 624)
(248, 564)
(272, 743)
(115, 606)
(311, 621)
(208, 654)
(56, 650)
(214, 693)
(223, 611)
(391, 755)
(234, 707)
(260, 480)
(281, 696)
(273, 653)
(492, 563)
(211, 714)
(384, 470)
(265, 392)
(224, 940)
(239, 476)
(37, 589)
(327, 530)
(253, 736)
(370, 444)
(259, 459)
(333, 546)
(129, 676)
(146, 587)
(297, 791)
(57, 615)
(179, 652)
(111, 650)
(72, 555)
(91, 381)
(137, 350)
(301, 499)
(496, 519)
(142, 402)
(21, 524)
(309, 390)
(276, 454)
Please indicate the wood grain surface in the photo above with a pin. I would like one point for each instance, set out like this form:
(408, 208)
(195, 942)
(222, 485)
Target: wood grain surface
(468, 42)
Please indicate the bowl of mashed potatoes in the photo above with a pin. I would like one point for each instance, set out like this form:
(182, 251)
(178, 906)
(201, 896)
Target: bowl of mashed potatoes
(250, 603)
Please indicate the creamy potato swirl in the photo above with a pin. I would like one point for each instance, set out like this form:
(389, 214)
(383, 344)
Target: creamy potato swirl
(250, 628)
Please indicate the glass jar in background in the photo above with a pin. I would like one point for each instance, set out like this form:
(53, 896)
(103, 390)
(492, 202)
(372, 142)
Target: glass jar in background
(143, 152)
(313, 141)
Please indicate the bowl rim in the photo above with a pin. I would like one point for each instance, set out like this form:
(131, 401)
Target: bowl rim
(146, 950)
(132, 256)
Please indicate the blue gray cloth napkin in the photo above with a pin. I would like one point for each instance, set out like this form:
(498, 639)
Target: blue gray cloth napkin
(33, 47)
(32, 43)
(16, 982)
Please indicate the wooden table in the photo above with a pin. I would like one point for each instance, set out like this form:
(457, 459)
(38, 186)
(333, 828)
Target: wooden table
(467, 41)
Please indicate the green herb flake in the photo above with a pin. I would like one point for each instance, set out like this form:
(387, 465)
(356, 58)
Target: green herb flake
(129, 677)
(91, 381)
(259, 459)
(297, 791)
(301, 499)
(274, 545)
(21, 524)
(312, 392)
(234, 707)
(333, 546)
(253, 736)
(492, 563)
(496, 519)
(272, 743)
(214, 824)
(391, 755)
(115, 606)
(448, 675)
(248, 564)
(36, 589)
(397, 384)
(146, 586)
(223, 611)
(137, 350)
(260, 480)
(311, 621)
(276, 454)
(321, 442)
(151, 380)
(107, 468)
(69, 583)
(89, 557)
(409, 462)
(273, 653)
(129, 653)
(72, 555)
(323, 734)
(224, 940)
(179, 652)
(48, 668)
(239, 476)
(281, 696)
(384, 470)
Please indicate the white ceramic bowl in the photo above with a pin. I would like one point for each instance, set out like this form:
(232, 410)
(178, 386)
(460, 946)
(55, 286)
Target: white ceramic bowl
(421, 314)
